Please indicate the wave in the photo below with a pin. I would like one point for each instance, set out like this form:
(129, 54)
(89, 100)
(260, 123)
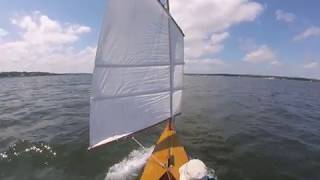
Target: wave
(25, 149)
(130, 166)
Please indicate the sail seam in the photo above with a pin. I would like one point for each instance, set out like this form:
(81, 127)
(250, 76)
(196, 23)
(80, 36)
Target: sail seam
(134, 65)
(100, 98)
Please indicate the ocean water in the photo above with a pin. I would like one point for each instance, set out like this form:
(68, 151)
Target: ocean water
(243, 128)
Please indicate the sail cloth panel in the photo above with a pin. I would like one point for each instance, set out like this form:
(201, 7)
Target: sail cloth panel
(131, 81)
(177, 56)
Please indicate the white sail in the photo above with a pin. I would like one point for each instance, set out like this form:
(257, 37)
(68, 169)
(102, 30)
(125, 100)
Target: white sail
(138, 70)
(177, 58)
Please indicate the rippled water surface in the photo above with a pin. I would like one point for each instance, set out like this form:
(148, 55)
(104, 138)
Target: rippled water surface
(244, 128)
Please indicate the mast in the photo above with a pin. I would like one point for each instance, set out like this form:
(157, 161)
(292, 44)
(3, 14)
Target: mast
(171, 120)
(168, 6)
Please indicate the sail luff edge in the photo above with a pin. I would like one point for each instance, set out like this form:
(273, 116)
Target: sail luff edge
(169, 14)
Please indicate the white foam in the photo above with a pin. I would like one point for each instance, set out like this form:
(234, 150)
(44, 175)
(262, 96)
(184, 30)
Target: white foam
(130, 166)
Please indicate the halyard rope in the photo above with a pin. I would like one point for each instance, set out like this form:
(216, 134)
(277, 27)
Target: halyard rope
(153, 157)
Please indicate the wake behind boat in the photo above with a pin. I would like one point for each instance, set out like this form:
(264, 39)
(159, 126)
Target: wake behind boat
(138, 82)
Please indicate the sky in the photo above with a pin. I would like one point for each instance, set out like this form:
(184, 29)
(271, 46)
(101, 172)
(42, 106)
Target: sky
(270, 37)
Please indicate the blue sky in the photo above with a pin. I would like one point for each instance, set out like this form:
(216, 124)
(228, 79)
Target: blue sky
(279, 34)
(89, 13)
(227, 36)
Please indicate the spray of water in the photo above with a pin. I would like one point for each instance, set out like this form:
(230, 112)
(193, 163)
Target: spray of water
(130, 166)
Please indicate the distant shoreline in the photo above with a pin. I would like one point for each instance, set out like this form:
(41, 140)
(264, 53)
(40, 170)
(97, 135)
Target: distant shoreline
(32, 74)
(257, 76)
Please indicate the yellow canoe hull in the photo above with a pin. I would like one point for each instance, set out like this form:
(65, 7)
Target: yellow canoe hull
(168, 152)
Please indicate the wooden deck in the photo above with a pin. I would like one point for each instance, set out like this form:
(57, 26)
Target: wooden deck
(168, 151)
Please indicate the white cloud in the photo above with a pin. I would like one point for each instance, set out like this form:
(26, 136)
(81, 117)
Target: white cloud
(206, 23)
(276, 63)
(309, 32)
(46, 45)
(3, 32)
(311, 65)
(219, 37)
(207, 65)
(208, 61)
(285, 16)
(196, 49)
(263, 54)
(40, 29)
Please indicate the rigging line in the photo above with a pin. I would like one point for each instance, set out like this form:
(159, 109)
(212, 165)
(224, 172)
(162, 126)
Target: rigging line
(135, 140)
(168, 174)
(153, 157)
